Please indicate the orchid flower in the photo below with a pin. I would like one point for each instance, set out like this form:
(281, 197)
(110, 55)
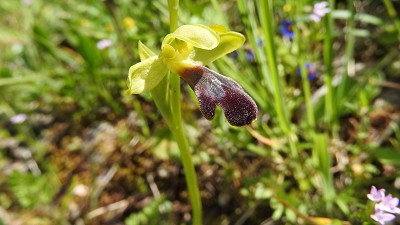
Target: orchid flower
(185, 52)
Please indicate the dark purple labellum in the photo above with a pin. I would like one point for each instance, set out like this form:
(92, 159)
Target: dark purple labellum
(214, 89)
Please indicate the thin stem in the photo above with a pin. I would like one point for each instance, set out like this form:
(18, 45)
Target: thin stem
(173, 6)
(190, 175)
(178, 131)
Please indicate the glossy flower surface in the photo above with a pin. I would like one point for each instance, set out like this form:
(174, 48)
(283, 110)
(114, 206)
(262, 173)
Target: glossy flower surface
(185, 52)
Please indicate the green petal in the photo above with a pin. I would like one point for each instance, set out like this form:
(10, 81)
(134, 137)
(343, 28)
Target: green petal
(145, 52)
(229, 42)
(199, 36)
(146, 75)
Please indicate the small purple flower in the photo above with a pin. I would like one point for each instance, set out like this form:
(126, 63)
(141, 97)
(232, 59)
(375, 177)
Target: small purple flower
(385, 205)
(103, 44)
(249, 55)
(19, 118)
(389, 204)
(382, 217)
(214, 89)
(320, 10)
(376, 195)
(311, 73)
(235, 54)
(287, 29)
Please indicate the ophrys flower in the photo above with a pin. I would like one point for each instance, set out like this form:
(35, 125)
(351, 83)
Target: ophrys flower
(186, 52)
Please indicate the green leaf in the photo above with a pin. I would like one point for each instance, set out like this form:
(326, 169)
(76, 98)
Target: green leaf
(146, 75)
(198, 36)
(229, 42)
(388, 156)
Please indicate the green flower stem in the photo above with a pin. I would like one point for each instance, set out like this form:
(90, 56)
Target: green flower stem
(266, 15)
(177, 129)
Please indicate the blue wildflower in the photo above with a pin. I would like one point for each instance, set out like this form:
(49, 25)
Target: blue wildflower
(310, 68)
(249, 55)
(287, 29)
(235, 54)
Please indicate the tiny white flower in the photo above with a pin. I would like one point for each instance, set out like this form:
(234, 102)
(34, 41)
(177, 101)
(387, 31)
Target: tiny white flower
(103, 44)
(382, 217)
(19, 118)
(389, 204)
(376, 195)
(320, 9)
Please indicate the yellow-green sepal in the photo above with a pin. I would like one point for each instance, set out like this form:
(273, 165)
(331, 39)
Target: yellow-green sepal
(144, 51)
(146, 75)
(229, 42)
(199, 36)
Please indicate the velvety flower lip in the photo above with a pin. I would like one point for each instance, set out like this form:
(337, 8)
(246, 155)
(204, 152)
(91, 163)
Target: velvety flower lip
(214, 89)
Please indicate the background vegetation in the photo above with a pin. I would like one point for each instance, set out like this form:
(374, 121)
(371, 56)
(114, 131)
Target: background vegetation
(75, 150)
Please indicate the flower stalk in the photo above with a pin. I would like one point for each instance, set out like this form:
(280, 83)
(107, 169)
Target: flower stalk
(177, 129)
